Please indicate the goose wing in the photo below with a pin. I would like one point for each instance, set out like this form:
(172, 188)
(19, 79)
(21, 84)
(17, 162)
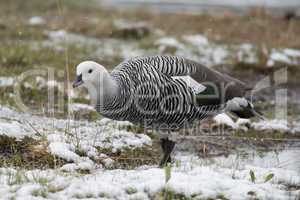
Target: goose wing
(212, 87)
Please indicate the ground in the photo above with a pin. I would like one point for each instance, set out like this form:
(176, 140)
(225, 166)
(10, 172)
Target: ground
(65, 150)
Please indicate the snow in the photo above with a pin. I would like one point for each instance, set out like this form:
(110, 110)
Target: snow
(6, 81)
(82, 135)
(78, 141)
(224, 119)
(169, 42)
(199, 48)
(196, 47)
(57, 35)
(287, 56)
(268, 125)
(52, 83)
(63, 150)
(140, 26)
(271, 125)
(100, 48)
(219, 54)
(193, 176)
(296, 127)
(276, 56)
(247, 53)
(86, 165)
(292, 52)
(126, 49)
(80, 106)
(241, 121)
(122, 139)
(36, 21)
(199, 181)
(14, 129)
(197, 40)
(192, 5)
(60, 37)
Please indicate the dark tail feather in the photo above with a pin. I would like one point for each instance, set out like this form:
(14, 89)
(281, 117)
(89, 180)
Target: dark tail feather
(247, 113)
(258, 114)
(242, 108)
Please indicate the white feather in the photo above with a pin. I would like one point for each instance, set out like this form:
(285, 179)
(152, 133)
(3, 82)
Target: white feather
(192, 83)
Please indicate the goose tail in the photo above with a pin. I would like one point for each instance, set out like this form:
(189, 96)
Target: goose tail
(242, 108)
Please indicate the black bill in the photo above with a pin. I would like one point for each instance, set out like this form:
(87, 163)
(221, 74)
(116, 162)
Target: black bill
(78, 81)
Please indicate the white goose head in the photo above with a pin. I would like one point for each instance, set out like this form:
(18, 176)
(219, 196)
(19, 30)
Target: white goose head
(89, 73)
(96, 79)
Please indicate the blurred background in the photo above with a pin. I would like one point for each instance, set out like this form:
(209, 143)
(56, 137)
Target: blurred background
(248, 39)
(41, 42)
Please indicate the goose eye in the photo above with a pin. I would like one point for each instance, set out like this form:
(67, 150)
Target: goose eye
(90, 71)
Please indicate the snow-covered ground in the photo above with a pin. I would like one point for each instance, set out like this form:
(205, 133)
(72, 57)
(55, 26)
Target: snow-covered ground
(196, 180)
(277, 7)
(78, 141)
(196, 47)
(67, 136)
(191, 176)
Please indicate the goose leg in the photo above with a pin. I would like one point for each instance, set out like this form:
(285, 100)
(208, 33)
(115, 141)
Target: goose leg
(167, 148)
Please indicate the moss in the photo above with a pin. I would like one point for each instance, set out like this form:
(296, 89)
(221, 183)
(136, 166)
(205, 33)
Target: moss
(40, 193)
(54, 189)
(222, 197)
(147, 43)
(131, 190)
(89, 115)
(80, 152)
(27, 153)
(131, 33)
(83, 196)
(257, 29)
(135, 129)
(169, 194)
(132, 158)
(253, 134)
(103, 195)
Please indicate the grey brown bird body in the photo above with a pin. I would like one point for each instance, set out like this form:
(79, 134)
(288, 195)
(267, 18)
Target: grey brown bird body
(162, 92)
(148, 93)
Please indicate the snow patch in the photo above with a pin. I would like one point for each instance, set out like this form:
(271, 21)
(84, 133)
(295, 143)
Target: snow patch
(197, 40)
(292, 52)
(270, 125)
(14, 129)
(169, 42)
(287, 56)
(36, 21)
(6, 81)
(224, 119)
(80, 106)
(63, 150)
(247, 53)
(147, 183)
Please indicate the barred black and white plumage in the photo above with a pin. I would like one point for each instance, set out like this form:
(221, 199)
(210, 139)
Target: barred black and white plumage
(162, 91)
(153, 90)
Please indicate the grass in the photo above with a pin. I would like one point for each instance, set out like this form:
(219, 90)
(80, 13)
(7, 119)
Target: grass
(16, 35)
(40, 193)
(18, 55)
(132, 158)
(256, 27)
(16, 178)
(21, 50)
(131, 190)
(27, 153)
(171, 195)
